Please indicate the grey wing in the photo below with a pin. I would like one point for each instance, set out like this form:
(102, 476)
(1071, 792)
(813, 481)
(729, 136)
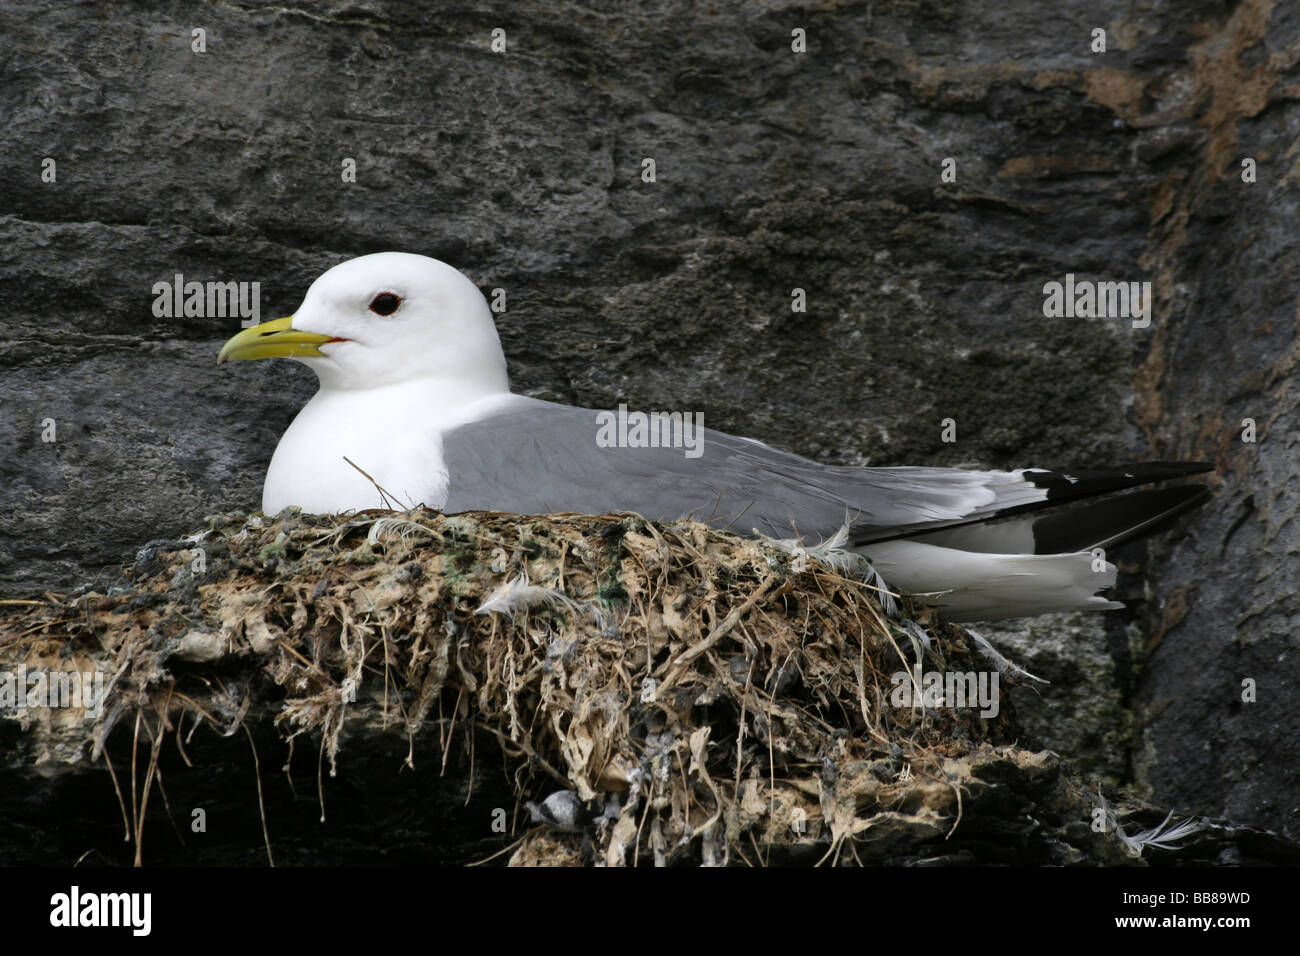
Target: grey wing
(535, 457)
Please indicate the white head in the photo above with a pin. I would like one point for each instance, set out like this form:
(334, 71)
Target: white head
(386, 318)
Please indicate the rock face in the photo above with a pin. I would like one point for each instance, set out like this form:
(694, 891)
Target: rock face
(773, 171)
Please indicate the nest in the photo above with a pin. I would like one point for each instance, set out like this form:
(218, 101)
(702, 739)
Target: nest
(659, 693)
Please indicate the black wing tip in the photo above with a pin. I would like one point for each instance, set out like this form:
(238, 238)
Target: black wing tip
(1111, 521)
(1076, 483)
(1180, 469)
(1065, 485)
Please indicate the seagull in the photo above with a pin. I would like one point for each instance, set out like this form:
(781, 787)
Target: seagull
(415, 403)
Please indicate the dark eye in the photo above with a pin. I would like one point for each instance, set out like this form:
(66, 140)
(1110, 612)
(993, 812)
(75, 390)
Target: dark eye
(385, 304)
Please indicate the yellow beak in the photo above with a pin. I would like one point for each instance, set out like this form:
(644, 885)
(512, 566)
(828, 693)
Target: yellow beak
(275, 339)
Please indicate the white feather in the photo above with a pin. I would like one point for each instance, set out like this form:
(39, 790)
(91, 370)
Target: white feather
(518, 595)
(969, 586)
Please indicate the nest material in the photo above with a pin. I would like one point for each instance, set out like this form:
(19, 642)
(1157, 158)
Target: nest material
(672, 692)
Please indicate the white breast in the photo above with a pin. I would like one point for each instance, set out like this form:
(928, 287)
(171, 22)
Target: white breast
(387, 433)
(393, 433)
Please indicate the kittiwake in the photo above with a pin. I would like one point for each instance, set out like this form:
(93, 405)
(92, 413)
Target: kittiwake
(414, 399)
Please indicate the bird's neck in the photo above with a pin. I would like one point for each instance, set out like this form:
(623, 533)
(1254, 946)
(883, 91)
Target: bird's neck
(434, 401)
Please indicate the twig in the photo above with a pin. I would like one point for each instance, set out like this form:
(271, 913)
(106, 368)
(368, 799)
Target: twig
(718, 633)
(261, 806)
(384, 495)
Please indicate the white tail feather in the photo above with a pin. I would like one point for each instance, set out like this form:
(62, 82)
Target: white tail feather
(992, 587)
